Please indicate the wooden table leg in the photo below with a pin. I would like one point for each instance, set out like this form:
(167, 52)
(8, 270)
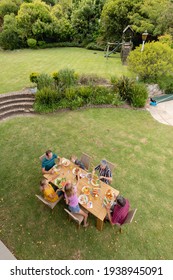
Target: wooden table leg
(99, 224)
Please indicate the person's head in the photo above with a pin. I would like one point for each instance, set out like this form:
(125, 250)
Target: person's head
(121, 201)
(49, 154)
(103, 164)
(73, 158)
(68, 188)
(43, 184)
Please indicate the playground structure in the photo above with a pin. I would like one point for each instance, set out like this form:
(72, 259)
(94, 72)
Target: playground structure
(125, 45)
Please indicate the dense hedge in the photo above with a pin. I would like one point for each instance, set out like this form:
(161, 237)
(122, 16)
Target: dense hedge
(66, 89)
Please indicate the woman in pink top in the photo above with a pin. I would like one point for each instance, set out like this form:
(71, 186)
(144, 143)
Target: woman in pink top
(72, 200)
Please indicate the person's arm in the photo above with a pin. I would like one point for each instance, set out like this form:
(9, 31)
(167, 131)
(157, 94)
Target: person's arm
(109, 214)
(108, 176)
(51, 171)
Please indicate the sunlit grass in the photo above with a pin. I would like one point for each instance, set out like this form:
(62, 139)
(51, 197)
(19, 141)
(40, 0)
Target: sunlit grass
(142, 150)
(16, 66)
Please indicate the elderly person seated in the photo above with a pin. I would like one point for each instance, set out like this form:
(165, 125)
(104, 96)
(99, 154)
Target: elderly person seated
(104, 172)
(48, 162)
(119, 211)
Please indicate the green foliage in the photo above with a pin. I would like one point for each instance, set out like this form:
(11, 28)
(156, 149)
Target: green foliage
(91, 79)
(124, 86)
(46, 96)
(166, 39)
(8, 7)
(32, 43)
(156, 60)
(166, 84)
(94, 46)
(45, 81)
(9, 37)
(115, 17)
(138, 95)
(34, 77)
(153, 16)
(66, 78)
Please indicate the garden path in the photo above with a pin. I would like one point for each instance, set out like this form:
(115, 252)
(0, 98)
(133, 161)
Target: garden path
(162, 112)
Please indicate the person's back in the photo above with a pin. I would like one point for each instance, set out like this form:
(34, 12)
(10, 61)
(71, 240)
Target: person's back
(120, 213)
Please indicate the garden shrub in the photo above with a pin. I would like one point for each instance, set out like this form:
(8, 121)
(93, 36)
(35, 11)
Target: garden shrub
(94, 46)
(45, 80)
(34, 77)
(66, 78)
(155, 61)
(32, 43)
(166, 83)
(46, 96)
(138, 95)
(124, 86)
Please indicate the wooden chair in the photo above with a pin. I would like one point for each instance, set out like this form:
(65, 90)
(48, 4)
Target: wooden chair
(76, 217)
(48, 203)
(85, 159)
(128, 220)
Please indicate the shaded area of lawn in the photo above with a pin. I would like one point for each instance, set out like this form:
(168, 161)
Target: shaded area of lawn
(19, 64)
(142, 150)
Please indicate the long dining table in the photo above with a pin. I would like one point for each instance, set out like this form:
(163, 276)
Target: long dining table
(95, 204)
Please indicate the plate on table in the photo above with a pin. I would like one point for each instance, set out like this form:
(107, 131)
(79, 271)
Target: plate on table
(83, 199)
(109, 195)
(86, 190)
(94, 183)
(65, 162)
(75, 171)
(82, 175)
(60, 182)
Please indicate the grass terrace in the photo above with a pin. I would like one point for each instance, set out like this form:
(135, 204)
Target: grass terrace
(17, 65)
(140, 147)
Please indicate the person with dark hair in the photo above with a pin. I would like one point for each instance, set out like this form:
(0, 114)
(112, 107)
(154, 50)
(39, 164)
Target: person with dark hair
(76, 161)
(119, 212)
(104, 172)
(48, 162)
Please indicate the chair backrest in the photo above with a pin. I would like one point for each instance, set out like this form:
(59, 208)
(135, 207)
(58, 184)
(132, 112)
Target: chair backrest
(42, 157)
(48, 203)
(111, 165)
(75, 216)
(130, 216)
(85, 159)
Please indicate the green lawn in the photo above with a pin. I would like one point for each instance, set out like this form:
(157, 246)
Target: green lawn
(16, 66)
(142, 150)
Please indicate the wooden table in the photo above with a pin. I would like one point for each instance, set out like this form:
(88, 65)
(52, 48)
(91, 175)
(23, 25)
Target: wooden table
(98, 209)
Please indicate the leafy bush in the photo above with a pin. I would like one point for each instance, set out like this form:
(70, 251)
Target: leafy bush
(138, 95)
(124, 86)
(155, 61)
(46, 96)
(66, 78)
(34, 77)
(31, 43)
(166, 84)
(44, 80)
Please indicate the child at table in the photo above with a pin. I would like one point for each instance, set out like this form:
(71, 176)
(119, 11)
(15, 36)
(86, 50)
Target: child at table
(50, 194)
(72, 200)
(76, 161)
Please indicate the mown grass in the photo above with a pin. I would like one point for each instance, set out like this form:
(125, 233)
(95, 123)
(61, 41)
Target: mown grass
(16, 66)
(142, 150)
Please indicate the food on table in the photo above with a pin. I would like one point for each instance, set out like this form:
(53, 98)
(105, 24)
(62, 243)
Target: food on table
(95, 183)
(60, 182)
(86, 190)
(65, 162)
(83, 199)
(109, 194)
(95, 192)
(75, 170)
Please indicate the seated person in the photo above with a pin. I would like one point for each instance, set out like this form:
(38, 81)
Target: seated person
(50, 192)
(104, 172)
(75, 160)
(119, 211)
(48, 162)
(70, 193)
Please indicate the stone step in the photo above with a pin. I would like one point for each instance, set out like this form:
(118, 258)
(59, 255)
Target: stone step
(16, 100)
(16, 106)
(16, 95)
(20, 111)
